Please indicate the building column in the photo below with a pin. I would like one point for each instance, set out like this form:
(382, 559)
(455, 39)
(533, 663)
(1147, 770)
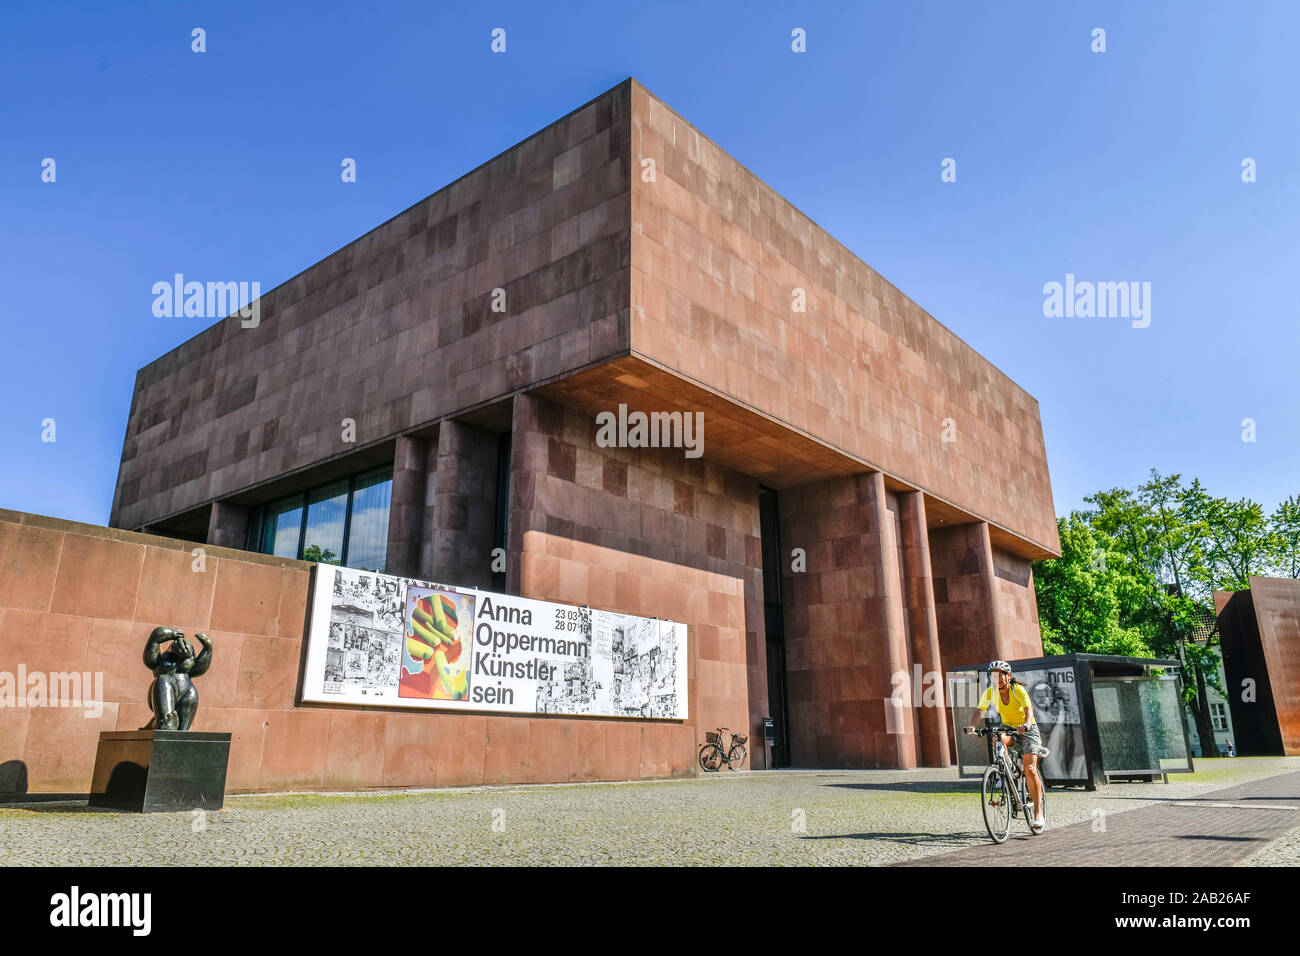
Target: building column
(899, 720)
(429, 508)
(534, 422)
(406, 508)
(227, 525)
(988, 575)
(924, 628)
(464, 506)
(961, 564)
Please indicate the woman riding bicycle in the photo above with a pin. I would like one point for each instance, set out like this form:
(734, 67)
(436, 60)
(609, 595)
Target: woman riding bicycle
(1016, 710)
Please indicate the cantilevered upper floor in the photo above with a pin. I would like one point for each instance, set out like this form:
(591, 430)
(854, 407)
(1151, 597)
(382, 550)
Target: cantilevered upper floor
(616, 256)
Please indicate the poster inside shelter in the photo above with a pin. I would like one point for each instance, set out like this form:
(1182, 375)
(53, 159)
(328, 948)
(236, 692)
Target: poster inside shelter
(1056, 708)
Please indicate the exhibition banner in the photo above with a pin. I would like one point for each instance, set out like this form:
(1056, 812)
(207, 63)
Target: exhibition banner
(396, 642)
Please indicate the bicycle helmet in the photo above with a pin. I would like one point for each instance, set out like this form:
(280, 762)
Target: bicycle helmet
(1000, 666)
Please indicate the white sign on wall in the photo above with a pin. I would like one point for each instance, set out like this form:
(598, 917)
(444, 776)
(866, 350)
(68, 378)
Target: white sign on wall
(397, 642)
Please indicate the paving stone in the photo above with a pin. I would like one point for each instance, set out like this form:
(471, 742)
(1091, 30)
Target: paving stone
(1215, 828)
(779, 818)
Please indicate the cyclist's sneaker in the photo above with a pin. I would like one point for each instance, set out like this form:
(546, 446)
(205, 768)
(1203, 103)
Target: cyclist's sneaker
(1039, 822)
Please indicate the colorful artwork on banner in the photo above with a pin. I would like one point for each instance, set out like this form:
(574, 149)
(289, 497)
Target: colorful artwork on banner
(437, 648)
(383, 640)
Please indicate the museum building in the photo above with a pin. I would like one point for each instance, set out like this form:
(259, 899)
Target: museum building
(859, 502)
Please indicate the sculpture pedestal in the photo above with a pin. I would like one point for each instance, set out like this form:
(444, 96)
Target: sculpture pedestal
(160, 771)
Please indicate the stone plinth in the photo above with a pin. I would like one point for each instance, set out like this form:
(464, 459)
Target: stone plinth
(159, 771)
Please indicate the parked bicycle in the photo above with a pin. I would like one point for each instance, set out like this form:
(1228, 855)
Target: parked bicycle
(1005, 791)
(713, 755)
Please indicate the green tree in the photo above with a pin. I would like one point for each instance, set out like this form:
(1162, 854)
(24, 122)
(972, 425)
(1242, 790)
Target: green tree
(1237, 543)
(1285, 527)
(1138, 572)
(1174, 536)
(1173, 545)
(1127, 518)
(1082, 596)
(1181, 528)
(314, 552)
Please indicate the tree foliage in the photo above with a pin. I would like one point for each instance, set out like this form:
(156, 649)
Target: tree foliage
(1286, 529)
(1083, 596)
(1139, 568)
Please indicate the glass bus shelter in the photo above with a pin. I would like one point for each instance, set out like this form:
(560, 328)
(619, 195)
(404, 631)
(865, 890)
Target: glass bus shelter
(1102, 717)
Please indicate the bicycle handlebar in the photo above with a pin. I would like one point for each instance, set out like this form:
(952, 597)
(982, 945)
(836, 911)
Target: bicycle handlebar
(1012, 731)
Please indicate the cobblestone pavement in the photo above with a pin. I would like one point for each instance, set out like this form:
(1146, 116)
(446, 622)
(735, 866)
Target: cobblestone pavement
(836, 818)
(1281, 852)
(1217, 828)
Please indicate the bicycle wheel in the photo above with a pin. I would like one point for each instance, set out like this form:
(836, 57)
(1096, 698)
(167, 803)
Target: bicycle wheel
(736, 756)
(710, 758)
(996, 802)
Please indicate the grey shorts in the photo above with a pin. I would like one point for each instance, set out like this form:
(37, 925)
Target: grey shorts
(1030, 743)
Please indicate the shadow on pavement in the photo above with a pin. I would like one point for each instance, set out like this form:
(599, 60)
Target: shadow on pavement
(1209, 798)
(920, 786)
(65, 808)
(1226, 839)
(915, 839)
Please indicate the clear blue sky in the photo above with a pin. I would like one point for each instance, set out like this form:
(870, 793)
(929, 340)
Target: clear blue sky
(1117, 166)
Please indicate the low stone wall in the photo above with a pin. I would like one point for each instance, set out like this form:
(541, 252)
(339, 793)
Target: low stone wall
(80, 598)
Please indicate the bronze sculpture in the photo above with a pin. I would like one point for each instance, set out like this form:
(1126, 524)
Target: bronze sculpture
(172, 695)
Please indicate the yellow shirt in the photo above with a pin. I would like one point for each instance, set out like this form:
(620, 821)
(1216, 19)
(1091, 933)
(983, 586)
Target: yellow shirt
(1016, 711)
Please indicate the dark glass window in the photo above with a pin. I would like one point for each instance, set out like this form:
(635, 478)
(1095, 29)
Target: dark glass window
(770, 542)
(282, 528)
(344, 522)
(327, 513)
(769, 528)
(372, 494)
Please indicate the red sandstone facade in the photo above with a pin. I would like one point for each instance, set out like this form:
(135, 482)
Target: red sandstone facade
(641, 265)
(79, 598)
(1259, 630)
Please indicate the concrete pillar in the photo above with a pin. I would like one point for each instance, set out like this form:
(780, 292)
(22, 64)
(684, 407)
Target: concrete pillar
(961, 565)
(227, 525)
(990, 581)
(535, 421)
(406, 510)
(899, 722)
(464, 506)
(429, 511)
(924, 628)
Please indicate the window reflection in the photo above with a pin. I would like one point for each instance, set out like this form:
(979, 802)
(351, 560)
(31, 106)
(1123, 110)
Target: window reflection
(282, 527)
(327, 511)
(346, 523)
(368, 530)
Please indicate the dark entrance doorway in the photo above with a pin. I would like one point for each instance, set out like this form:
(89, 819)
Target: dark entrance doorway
(774, 625)
(776, 700)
